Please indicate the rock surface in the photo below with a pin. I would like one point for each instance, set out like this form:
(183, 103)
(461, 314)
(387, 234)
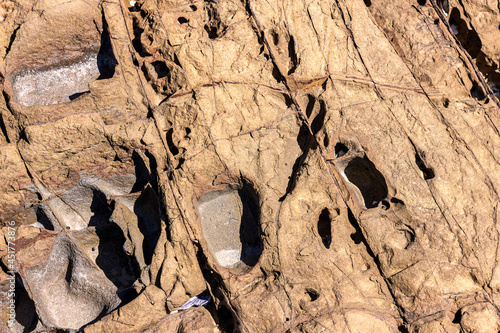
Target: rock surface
(311, 165)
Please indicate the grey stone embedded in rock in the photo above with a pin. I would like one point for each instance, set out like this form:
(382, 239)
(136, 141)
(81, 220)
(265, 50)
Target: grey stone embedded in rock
(85, 204)
(229, 220)
(55, 85)
(68, 289)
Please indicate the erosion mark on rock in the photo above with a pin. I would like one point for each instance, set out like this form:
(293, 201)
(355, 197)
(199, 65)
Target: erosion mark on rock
(427, 172)
(325, 227)
(292, 54)
(160, 68)
(106, 61)
(214, 27)
(225, 317)
(11, 40)
(306, 137)
(100, 208)
(164, 75)
(311, 102)
(171, 146)
(305, 141)
(313, 294)
(319, 120)
(444, 6)
(340, 149)
(147, 209)
(119, 267)
(3, 128)
(42, 217)
(470, 41)
(140, 40)
(363, 174)
(468, 37)
(358, 237)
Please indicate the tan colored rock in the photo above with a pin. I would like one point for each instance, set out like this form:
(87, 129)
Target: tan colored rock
(479, 318)
(143, 312)
(311, 165)
(15, 182)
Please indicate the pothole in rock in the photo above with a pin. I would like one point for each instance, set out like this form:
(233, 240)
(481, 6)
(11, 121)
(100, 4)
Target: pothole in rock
(230, 224)
(66, 81)
(325, 227)
(361, 172)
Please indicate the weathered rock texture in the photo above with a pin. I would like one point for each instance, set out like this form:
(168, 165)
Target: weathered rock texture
(312, 165)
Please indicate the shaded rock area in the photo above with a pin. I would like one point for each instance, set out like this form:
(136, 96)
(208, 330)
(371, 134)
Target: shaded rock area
(312, 166)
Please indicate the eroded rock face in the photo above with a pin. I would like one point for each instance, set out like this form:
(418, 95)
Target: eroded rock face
(312, 166)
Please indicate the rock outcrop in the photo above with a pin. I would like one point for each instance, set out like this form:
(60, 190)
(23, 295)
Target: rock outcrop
(311, 165)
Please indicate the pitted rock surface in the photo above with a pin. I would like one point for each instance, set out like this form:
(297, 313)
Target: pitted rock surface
(312, 166)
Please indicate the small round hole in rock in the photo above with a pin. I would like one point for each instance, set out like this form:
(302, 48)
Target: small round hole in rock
(325, 227)
(385, 205)
(313, 294)
(446, 102)
(212, 31)
(193, 8)
(421, 2)
(182, 20)
(230, 221)
(340, 150)
(477, 92)
(326, 141)
(161, 69)
(397, 201)
(402, 328)
(357, 237)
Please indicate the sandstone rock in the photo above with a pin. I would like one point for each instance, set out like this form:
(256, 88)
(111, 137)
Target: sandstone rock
(144, 311)
(311, 165)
